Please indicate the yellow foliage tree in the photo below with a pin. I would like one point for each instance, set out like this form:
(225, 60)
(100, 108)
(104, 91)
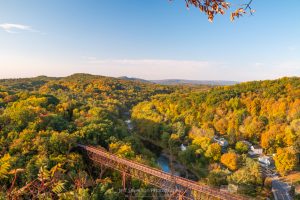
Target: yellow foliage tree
(285, 160)
(121, 149)
(273, 138)
(202, 142)
(221, 126)
(4, 166)
(213, 152)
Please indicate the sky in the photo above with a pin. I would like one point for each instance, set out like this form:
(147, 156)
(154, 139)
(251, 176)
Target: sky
(150, 39)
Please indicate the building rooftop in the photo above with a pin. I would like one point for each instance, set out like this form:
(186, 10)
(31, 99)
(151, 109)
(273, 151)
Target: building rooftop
(256, 147)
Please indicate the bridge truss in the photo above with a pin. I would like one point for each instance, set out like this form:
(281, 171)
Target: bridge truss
(180, 188)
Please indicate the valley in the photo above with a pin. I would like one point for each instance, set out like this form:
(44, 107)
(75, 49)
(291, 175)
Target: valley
(213, 135)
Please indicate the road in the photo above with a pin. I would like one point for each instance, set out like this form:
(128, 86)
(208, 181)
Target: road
(280, 189)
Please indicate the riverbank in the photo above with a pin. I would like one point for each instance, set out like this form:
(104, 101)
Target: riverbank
(163, 156)
(165, 160)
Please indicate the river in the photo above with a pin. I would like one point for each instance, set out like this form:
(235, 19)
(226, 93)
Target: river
(163, 160)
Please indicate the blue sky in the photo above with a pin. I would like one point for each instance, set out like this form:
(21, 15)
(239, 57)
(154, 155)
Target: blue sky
(154, 39)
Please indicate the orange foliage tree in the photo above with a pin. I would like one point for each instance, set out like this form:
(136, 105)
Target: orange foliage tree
(230, 160)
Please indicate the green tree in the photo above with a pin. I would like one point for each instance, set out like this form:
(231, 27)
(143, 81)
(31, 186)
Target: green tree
(213, 152)
(217, 178)
(241, 147)
(249, 177)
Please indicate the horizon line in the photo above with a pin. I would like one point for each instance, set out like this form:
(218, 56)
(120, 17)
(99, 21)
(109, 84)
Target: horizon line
(133, 77)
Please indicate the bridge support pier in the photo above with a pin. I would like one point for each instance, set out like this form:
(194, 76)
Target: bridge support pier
(180, 197)
(124, 180)
(126, 187)
(102, 170)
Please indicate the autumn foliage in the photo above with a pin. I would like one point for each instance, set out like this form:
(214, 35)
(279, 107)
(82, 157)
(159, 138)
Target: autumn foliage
(41, 121)
(264, 113)
(214, 7)
(285, 160)
(230, 160)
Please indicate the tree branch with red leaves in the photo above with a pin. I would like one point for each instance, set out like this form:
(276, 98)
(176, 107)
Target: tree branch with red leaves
(213, 7)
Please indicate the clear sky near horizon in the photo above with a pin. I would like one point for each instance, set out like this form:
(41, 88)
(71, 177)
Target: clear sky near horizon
(155, 39)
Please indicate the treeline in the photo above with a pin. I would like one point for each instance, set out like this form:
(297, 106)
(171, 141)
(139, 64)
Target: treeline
(265, 113)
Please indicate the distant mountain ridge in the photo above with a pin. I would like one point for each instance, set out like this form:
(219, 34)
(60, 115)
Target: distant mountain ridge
(193, 82)
(134, 79)
(182, 81)
(40, 80)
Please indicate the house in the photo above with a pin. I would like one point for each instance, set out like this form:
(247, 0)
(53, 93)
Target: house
(129, 124)
(255, 150)
(182, 147)
(266, 160)
(221, 141)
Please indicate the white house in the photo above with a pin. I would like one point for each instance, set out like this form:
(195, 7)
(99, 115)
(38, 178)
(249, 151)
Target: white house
(221, 141)
(266, 160)
(182, 147)
(255, 150)
(129, 124)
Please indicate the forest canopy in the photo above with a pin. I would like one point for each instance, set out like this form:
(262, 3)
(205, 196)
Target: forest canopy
(42, 119)
(258, 114)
